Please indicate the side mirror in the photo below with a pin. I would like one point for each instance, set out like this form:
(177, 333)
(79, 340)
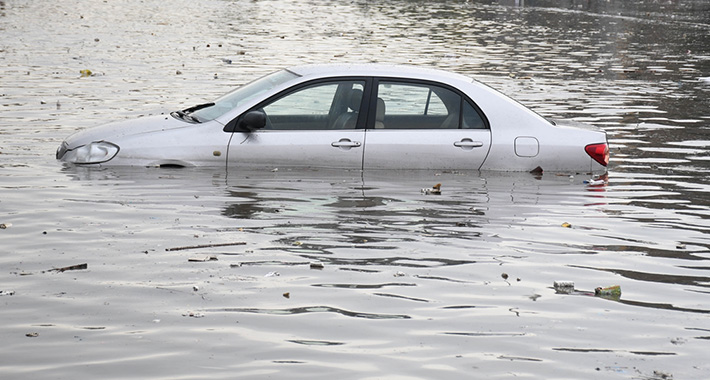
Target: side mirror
(252, 120)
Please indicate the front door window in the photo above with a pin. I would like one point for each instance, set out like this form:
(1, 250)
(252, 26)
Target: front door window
(333, 105)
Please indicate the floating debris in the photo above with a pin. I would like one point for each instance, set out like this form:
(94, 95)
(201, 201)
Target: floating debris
(678, 341)
(287, 295)
(71, 267)
(594, 182)
(272, 274)
(32, 335)
(316, 265)
(566, 225)
(436, 190)
(400, 274)
(193, 314)
(202, 259)
(613, 291)
(7, 293)
(537, 171)
(205, 246)
(563, 285)
(662, 375)
(5, 226)
(567, 287)
(85, 73)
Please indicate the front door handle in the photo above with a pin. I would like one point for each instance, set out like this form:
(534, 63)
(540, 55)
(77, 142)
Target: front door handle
(468, 144)
(345, 143)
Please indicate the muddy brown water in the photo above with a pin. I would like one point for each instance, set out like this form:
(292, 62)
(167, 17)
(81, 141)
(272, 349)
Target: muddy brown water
(411, 286)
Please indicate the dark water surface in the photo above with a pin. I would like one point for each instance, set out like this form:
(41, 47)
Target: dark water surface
(411, 286)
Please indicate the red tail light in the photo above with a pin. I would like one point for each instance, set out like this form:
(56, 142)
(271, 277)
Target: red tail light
(599, 152)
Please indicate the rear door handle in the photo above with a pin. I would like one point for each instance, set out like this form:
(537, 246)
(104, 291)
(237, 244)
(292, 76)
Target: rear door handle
(467, 144)
(345, 143)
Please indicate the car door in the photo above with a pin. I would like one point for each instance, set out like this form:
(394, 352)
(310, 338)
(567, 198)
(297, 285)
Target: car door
(316, 125)
(423, 125)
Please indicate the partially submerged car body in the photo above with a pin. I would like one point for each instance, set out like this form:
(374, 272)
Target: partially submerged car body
(359, 117)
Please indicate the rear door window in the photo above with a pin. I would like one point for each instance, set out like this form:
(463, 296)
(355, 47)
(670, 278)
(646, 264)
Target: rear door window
(402, 105)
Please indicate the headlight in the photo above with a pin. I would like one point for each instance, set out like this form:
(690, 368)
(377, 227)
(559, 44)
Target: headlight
(92, 153)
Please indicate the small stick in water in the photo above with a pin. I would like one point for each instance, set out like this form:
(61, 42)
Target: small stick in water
(71, 267)
(205, 246)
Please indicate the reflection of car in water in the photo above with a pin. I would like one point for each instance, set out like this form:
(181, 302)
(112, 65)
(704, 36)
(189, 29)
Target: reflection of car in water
(359, 117)
(391, 198)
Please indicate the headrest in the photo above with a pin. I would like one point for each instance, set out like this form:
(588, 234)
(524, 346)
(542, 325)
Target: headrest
(380, 112)
(355, 99)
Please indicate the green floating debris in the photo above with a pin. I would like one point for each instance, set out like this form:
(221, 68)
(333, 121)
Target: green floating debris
(613, 291)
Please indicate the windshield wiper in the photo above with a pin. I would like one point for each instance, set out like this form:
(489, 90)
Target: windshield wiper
(185, 116)
(198, 107)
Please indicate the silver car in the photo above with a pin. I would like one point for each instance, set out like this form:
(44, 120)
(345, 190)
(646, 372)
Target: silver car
(353, 117)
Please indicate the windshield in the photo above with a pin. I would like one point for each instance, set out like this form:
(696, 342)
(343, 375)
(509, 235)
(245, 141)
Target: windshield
(227, 102)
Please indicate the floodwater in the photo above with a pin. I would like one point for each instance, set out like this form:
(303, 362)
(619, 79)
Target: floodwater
(342, 275)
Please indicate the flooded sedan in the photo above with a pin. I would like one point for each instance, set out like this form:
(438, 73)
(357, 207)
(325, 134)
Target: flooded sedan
(358, 117)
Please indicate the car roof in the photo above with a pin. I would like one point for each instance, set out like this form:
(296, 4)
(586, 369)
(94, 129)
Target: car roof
(376, 69)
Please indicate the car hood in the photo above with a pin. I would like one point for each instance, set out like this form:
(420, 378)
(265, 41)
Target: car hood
(113, 132)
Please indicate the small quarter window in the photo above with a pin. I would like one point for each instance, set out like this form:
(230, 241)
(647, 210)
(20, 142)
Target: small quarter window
(471, 118)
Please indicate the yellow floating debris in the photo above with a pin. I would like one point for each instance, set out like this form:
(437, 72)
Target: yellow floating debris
(436, 189)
